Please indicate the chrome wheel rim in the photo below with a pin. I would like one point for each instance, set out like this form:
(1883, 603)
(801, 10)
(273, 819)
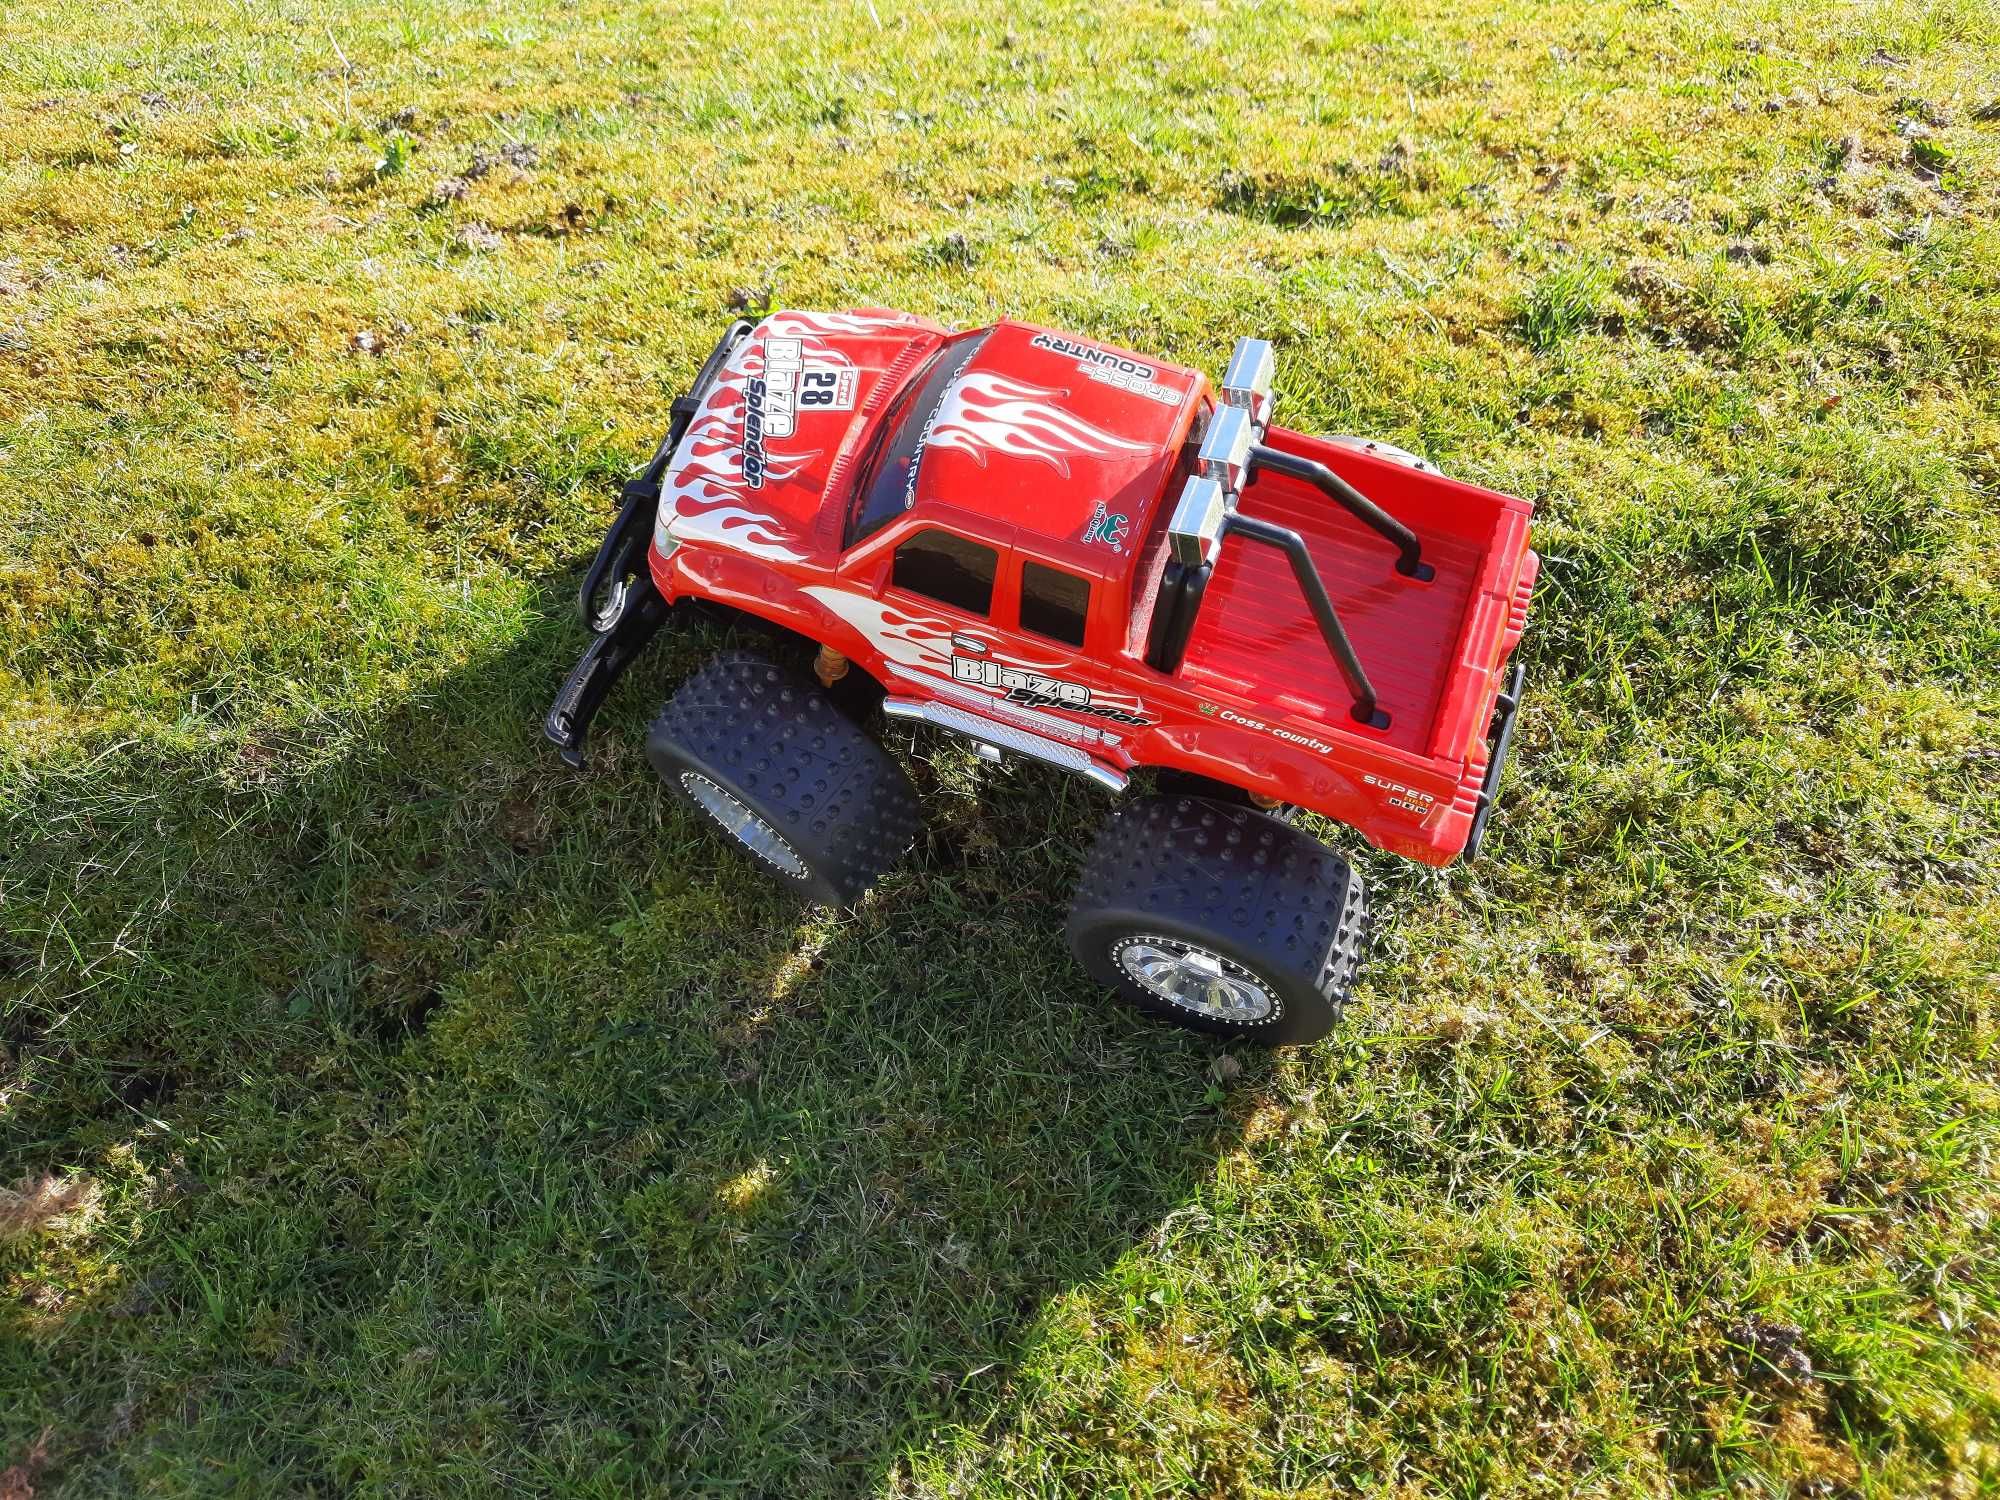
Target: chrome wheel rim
(743, 825)
(1192, 978)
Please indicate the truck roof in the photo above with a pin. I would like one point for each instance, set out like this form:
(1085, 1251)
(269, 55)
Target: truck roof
(1068, 442)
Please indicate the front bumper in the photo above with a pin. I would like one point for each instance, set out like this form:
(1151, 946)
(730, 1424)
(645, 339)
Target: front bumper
(617, 600)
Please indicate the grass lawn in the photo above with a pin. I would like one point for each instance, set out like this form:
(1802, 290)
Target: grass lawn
(391, 1111)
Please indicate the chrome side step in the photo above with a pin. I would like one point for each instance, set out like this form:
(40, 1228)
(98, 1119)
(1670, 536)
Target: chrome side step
(991, 734)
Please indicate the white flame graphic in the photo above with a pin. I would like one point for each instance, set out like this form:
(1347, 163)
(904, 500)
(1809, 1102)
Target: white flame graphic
(986, 413)
(913, 644)
(732, 526)
(905, 640)
(790, 324)
(704, 497)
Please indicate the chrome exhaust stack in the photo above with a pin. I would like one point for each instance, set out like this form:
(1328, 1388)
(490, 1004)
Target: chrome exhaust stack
(1248, 383)
(1222, 466)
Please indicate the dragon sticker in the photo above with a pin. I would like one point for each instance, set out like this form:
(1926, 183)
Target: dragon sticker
(1108, 527)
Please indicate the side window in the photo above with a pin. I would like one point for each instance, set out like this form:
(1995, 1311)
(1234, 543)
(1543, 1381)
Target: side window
(947, 568)
(1054, 603)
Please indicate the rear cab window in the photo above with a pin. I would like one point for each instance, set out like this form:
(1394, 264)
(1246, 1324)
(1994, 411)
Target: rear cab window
(1054, 604)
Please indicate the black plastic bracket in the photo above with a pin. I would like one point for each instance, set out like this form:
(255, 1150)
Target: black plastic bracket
(1506, 706)
(641, 614)
(1409, 551)
(1181, 588)
(620, 559)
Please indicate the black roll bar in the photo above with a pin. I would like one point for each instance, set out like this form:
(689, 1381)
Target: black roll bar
(1306, 572)
(1409, 559)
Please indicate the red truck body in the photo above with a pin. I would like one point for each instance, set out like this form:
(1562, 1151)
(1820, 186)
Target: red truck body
(869, 480)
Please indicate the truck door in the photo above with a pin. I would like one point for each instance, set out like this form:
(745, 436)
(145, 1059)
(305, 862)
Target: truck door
(1049, 608)
(946, 582)
(931, 597)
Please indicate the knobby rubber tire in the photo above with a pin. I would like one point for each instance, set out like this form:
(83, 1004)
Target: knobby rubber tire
(777, 744)
(1237, 882)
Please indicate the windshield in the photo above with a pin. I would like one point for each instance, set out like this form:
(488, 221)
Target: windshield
(888, 483)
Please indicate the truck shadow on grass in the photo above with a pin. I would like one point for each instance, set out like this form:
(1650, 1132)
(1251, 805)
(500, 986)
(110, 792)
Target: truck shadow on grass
(475, 1119)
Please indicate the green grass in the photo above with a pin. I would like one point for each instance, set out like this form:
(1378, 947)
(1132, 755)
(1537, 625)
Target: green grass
(394, 1112)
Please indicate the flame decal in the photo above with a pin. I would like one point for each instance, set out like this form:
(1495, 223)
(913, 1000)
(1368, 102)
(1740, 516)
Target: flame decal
(733, 526)
(986, 413)
(917, 644)
(907, 641)
(790, 324)
(704, 496)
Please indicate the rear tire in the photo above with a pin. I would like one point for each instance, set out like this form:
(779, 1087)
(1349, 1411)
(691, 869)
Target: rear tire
(788, 778)
(1171, 783)
(1221, 919)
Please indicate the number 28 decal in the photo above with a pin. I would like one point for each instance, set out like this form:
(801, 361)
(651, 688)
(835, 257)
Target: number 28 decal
(822, 389)
(790, 384)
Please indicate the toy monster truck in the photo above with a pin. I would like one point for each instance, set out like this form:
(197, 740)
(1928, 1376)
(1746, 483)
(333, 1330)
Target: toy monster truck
(1057, 549)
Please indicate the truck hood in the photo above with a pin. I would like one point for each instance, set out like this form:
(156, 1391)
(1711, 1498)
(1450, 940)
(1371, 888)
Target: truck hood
(789, 406)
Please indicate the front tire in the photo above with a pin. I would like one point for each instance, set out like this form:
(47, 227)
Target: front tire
(1220, 919)
(767, 758)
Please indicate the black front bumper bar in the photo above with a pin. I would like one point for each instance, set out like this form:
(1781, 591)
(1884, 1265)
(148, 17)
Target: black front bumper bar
(617, 600)
(631, 619)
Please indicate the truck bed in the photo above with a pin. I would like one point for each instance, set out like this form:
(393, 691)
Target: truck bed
(1432, 649)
